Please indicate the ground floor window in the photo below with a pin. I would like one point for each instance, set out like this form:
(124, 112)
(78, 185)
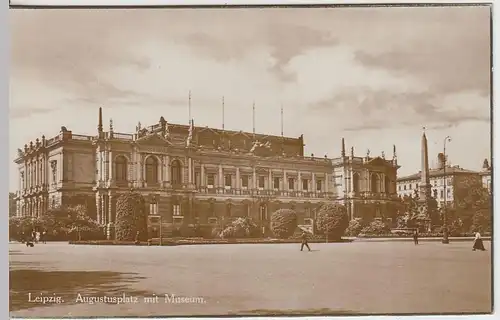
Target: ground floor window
(176, 210)
(153, 208)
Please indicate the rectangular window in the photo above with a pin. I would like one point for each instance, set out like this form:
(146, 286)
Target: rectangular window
(404, 187)
(410, 186)
(442, 194)
(210, 180)
(276, 183)
(227, 180)
(319, 185)
(261, 182)
(305, 184)
(176, 210)
(244, 181)
(153, 208)
(291, 184)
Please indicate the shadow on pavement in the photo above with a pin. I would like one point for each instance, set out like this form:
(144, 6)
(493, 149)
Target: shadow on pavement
(67, 284)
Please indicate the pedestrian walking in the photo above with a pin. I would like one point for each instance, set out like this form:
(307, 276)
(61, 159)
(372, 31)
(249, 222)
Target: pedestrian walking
(478, 243)
(44, 237)
(304, 242)
(415, 236)
(37, 236)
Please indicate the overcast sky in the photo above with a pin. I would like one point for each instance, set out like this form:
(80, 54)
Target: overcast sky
(374, 76)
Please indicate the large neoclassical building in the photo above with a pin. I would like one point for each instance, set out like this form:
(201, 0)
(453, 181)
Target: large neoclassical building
(199, 175)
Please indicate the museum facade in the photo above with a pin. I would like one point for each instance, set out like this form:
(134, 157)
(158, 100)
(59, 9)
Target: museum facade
(198, 175)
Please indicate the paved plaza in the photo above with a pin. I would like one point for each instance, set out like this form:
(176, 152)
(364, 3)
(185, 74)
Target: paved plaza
(341, 278)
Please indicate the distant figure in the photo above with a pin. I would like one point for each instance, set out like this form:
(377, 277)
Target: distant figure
(137, 238)
(37, 236)
(43, 238)
(30, 241)
(478, 243)
(304, 242)
(415, 236)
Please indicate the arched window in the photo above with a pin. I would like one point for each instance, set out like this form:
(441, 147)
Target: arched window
(176, 172)
(121, 169)
(151, 170)
(375, 183)
(388, 186)
(355, 183)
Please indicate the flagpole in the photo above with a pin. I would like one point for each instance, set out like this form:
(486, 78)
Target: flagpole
(222, 113)
(253, 117)
(282, 120)
(189, 106)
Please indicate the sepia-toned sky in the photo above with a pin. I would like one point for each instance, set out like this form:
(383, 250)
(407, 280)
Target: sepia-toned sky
(374, 76)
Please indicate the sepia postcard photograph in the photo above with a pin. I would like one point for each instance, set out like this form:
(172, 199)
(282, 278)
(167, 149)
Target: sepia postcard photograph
(330, 160)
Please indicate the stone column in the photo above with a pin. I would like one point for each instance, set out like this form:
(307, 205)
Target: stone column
(110, 218)
(98, 205)
(190, 171)
(327, 189)
(167, 175)
(111, 165)
(42, 171)
(254, 179)
(99, 164)
(299, 181)
(164, 169)
(313, 182)
(270, 185)
(202, 178)
(103, 209)
(351, 183)
(220, 179)
(35, 173)
(285, 181)
(238, 182)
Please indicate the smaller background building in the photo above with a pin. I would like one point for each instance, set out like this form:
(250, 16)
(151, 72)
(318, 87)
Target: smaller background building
(455, 178)
(486, 175)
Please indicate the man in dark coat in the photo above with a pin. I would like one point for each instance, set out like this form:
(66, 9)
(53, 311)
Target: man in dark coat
(415, 236)
(304, 242)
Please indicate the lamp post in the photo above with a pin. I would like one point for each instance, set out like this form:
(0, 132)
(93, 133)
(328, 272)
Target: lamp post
(445, 214)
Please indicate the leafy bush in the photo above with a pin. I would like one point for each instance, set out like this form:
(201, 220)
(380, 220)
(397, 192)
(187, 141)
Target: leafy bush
(376, 227)
(216, 231)
(242, 227)
(354, 228)
(283, 223)
(131, 217)
(332, 220)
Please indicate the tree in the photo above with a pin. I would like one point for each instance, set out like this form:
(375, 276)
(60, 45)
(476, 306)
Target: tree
(131, 217)
(473, 204)
(283, 223)
(332, 220)
(12, 204)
